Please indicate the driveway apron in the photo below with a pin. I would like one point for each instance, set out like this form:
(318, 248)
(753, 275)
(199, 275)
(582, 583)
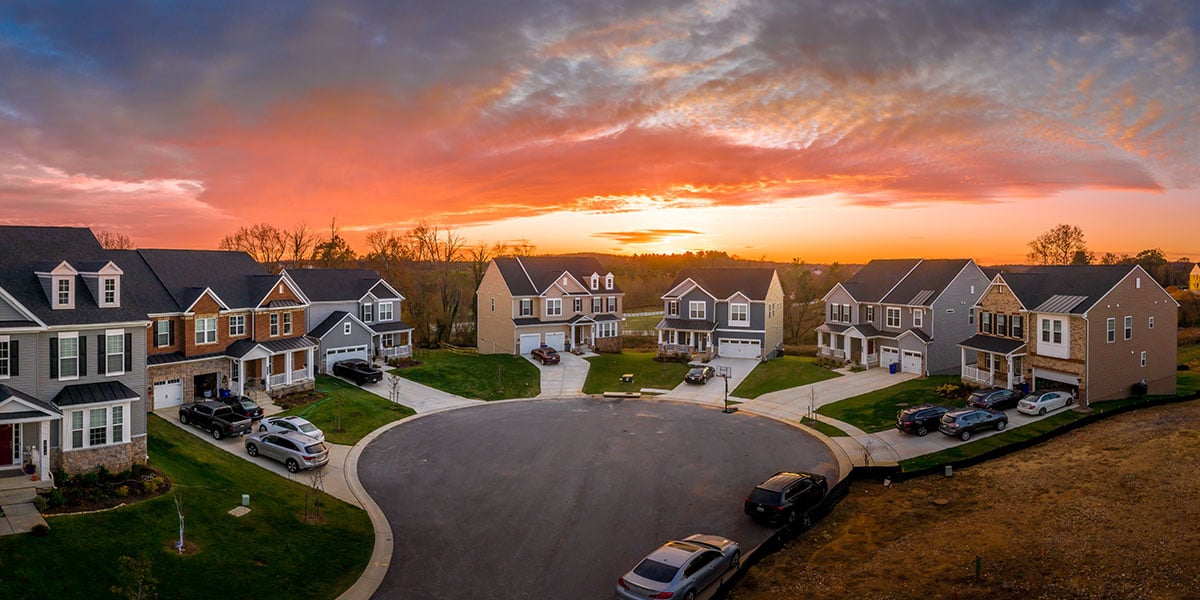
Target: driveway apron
(563, 380)
(713, 392)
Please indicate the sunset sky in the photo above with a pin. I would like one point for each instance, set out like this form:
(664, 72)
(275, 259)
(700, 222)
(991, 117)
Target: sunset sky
(818, 130)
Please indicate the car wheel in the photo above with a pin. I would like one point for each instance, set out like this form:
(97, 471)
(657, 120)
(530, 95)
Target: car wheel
(922, 431)
(1041, 412)
(691, 595)
(292, 465)
(1000, 425)
(251, 449)
(262, 428)
(1070, 401)
(736, 561)
(966, 435)
(183, 419)
(807, 521)
(216, 433)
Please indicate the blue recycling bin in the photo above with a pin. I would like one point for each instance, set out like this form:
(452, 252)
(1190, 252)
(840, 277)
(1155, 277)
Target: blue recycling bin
(892, 368)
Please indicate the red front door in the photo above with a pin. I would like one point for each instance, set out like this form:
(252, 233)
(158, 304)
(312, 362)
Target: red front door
(6, 441)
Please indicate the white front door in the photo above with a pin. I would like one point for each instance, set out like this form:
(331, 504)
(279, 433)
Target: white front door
(168, 393)
(911, 362)
(555, 340)
(335, 354)
(740, 348)
(888, 356)
(529, 341)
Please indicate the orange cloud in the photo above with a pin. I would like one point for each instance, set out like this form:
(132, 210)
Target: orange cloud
(645, 236)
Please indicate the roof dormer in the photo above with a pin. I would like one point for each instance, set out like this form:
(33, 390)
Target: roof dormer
(608, 281)
(58, 282)
(104, 282)
(595, 283)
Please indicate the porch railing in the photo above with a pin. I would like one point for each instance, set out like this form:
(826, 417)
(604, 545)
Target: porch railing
(300, 375)
(277, 380)
(977, 374)
(397, 352)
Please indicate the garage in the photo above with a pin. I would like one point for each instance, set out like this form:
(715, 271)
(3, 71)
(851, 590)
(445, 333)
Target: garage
(168, 393)
(911, 362)
(529, 341)
(888, 356)
(556, 340)
(739, 348)
(335, 354)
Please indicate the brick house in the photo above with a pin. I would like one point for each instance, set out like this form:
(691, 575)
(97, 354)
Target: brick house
(735, 313)
(1094, 329)
(564, 302)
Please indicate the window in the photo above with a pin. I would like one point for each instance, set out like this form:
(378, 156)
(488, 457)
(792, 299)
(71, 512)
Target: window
(739, 314)
(971, 315)
(893, 317)
(577, 305)
(287, 323)
(162, 333)
(108, 286)
(870, 314)
(77, 429)
(1128, 328)
(597, 304)
(388, 340)
(608, 281)
(918, 317)
(1143, 358)
(1110, 326)
(385, 311)
(1151, 323)
(846, 313)
(1002, 324)
(1058, 333)
(987, 360)
(68, 356)
(1018, 326)
(97, 426)
(64, 292)
(595, 281)
(4, 357)
(673, 308)
(696, 309)
(368, 313)
(347, 328)
(114, 352)
(526, 309)
(606, 329)
(206, 330)
(118, 424)
(553, 307)
(274, 324)
(237, 325)
(612, 304)
(985, 322)
(1137, 281)
(493, 305)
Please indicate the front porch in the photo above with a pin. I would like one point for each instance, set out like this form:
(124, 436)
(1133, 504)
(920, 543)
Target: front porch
(391, 340)
(25, 424)
(847, 345)
(692, 343)
(276, 367)
(997, 362)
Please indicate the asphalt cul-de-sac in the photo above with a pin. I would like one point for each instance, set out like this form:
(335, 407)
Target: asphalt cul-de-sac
(559, 498)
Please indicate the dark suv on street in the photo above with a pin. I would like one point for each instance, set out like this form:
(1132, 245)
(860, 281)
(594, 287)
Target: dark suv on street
(787, 497)
(963, 422)
(994, 398)
(920, 419)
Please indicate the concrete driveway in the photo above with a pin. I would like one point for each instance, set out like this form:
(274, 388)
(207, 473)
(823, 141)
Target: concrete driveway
(419, 397)
(558, 498)
(713, 392)
(793, 403)
(564, 380)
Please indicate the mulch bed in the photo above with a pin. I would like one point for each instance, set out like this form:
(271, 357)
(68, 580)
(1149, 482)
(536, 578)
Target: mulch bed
(101, 489)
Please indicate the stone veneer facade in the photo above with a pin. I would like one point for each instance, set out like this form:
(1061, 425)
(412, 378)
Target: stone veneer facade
(185, 371)
(115, 458)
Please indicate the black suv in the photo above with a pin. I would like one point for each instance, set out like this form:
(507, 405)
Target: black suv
(920, 419)
(963, 422)
(994, 398)
(787, 497)
(357, 370)
(244, 407)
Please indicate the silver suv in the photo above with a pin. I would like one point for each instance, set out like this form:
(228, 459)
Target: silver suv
(296, 451)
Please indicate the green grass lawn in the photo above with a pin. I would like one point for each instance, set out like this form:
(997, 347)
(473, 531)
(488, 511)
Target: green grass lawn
(480, 376)
(641, 323)
(605, 373)
(358, 411)
(781, 374)
(876, 411)
(1189, 354)
(269, 553)
(823, 427)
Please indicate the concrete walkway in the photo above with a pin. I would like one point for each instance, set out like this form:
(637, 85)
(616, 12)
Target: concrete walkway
(564, 380)
(19, 518)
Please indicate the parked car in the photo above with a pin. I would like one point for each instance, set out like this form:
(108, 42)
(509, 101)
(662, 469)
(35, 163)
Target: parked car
(293, 424)
(546, 354)
(294, 450)
(920, 419)
(963, 422)
(699, 374)
(243, 406)
(787, 497)
(994, 398)
(681, 569)
(1039, 402)
(357, 370)
(215, 418)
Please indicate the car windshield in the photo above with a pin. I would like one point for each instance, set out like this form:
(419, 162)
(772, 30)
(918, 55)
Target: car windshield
(655, 571)
(1032, 399)
(307, 427)
(316, 448)
(978, 396)
(248, 405)
(696, 371)
(761, 496)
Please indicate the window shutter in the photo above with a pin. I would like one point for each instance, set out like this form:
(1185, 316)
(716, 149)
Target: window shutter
(14, 358)
(128, 352)
(82, 355)
(53, 358)
(171, 332)
(101, 354)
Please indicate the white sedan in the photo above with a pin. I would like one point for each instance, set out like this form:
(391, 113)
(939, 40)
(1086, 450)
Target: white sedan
(1038, 403)
(296, 424)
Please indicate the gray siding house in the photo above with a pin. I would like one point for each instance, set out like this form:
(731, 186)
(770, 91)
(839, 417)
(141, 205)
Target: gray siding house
(732, 312)
(910, 312)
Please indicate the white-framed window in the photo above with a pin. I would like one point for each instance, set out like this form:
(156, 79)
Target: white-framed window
(118, 423)
(347, 328)
(985, 322)
(368, 313)
(672, 308)
(608, 281)
(114, 352)
(696, 310)
(101, 426)
(5, 357)
(1055, 340)
(577, 305)
(1018, 326)
(918, 317)
(388, 340)
(1001, 324)
(385, 311)
(1110, 328)
(971, 316)
(206, 330)
(1143, 358)
(987, 360)
(162, 333)
(1128, 328)
(612, 304)
(870, 314)
(287, 323)
(68, 356)
(893, 317)
(739, 314)
(1052, 330)
(274, 320)
(597, 304)
(605, 329)
(109, 292)
(63, 298)
(526, 308)
(553, 307)
(237, 325)
(77, 429)
(1150, 324)
(595, 281)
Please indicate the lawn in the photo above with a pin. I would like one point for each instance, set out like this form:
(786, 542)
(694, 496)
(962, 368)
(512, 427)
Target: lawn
(605, 373)
(641, 323)
(480, 376)
(876, 411)
(823, 427)
(781, 374)
(358, 411)
(1190, 355)
(269, 553)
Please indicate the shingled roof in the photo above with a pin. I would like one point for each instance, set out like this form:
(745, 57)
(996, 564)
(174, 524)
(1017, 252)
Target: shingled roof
(533, 275)
(337, 285)
(926, 281)
(878, 277)
(722, 283)
(1038, 285)
(235, 277)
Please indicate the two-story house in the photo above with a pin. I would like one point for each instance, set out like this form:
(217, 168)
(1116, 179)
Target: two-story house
(352, 313)
(1194, 280)
(735, 313)
(1094, 329)
(228, 324)
(566, 302)
(908, 312)
(72, 352)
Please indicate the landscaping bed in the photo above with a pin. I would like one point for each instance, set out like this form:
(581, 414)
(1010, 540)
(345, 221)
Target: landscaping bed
(479, 376)
(604, 374)
(101, 489)
(344, 411)
(780, 374)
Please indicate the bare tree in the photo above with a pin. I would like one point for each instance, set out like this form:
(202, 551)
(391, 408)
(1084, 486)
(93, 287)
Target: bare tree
(388, 254)
(301, 241)
(112, 240)
(523, 247)
(179, 510)
(334, 252)
(1058, 246)
(137, 581)
(478, 257)
(263, 241)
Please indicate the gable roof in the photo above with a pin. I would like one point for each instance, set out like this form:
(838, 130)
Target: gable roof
(236, 278)
(925, 282)
(723, 283)
(336, 285)
(872, 282)
(533, 275)
(1069, 289)
(333, 320)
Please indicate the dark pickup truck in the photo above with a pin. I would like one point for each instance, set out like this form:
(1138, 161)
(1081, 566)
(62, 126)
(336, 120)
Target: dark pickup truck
(215, 418)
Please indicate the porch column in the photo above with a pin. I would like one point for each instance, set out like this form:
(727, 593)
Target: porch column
(241, 381)
(266, 372)
(1010, 371)
(962, 361)
(43, 466)
(864, 354)
(846, 347)
(992, 372)
(308, 368)
(287, 366)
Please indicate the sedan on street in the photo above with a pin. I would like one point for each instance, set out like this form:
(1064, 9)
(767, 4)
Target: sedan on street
(294, 450)
(1039, 403)
(681, 569)
(293, 424)
(963, 422)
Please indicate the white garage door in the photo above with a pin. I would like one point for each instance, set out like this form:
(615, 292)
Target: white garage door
(168, 393)
(740, 349)
(335, 354)
(911, 362)
(529, 341)
(556, 340)
(888, 356)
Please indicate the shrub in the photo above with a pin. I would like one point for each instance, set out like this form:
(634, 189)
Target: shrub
(122, 491)
(56, 498)
(40, 530)
(828, 363)
(40, 503)
(88, 479)
(950, 390)
(61, 477)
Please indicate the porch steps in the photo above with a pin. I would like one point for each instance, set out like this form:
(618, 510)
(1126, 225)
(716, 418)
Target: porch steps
(17, 496)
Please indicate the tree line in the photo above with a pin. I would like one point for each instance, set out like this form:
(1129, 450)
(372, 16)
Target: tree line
(1065, 245)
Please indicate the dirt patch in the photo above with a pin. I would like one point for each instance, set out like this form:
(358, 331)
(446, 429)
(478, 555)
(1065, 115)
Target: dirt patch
(297, 399)
(188, 548)
(1106, 511)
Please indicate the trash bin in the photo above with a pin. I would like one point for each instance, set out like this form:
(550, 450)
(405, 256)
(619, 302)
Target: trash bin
(892, 368)
(1140, 388)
